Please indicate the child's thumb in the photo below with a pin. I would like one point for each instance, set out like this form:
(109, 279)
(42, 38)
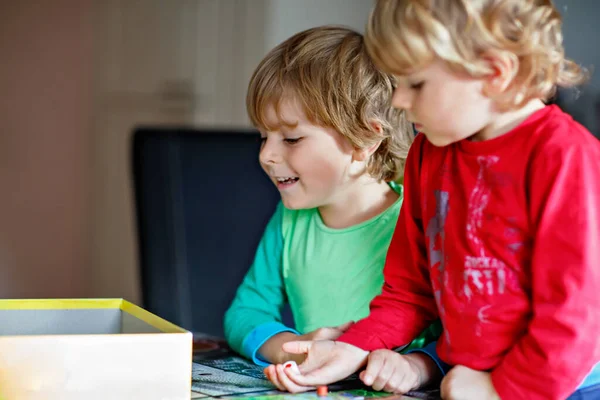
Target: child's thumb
(297, 347)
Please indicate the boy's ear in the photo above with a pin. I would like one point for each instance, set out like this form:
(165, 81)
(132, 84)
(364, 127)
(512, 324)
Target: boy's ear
(504, 66)
(365, 153)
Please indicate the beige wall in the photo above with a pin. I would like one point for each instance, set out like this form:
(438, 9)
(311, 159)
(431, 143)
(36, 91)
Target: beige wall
(45, 109)
(75, 76)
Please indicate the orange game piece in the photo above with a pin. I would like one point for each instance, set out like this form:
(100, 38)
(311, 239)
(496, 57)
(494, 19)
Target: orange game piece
(322, 391)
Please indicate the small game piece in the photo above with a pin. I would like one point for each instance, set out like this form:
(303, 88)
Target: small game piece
(322, 391)
(293, 365)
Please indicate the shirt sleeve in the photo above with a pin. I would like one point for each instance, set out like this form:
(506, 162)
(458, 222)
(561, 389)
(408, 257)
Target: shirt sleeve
(561, 344)
(431, 351)
(406, 305)
(255, 313)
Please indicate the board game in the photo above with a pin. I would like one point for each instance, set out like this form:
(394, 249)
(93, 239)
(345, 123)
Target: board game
(218, 372)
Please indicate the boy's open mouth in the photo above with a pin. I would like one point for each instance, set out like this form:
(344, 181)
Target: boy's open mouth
(288, 179)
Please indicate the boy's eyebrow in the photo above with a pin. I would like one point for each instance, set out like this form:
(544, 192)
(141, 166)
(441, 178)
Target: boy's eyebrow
(411, 77)
(278, 127)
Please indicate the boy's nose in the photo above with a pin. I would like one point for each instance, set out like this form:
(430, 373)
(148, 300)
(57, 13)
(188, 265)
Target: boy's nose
(269, 154)
(401, 99)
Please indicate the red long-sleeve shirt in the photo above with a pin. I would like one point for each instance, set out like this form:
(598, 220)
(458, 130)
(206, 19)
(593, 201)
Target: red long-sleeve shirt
(501, 239)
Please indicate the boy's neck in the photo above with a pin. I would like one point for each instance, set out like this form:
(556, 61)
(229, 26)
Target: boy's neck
(506, 121)
(363, 200)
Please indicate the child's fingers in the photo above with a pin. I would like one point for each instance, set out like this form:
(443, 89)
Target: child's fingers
(297, 347)
(273, 378)
(446, 387)
(374, 365)
(398, 383)
(310, 379)
(285, 381)
(292, 364)
(271, 374)
(382, 378)
(361, 376)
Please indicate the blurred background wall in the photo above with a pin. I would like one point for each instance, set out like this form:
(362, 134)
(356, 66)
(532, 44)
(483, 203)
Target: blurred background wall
(77, 75)
(46, 110)
(582, 42)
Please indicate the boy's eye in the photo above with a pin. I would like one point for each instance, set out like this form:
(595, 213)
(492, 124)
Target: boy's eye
(263, 140)
(417, 86)
(292, 141)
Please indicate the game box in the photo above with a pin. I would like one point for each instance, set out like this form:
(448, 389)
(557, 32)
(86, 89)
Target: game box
(91, 349)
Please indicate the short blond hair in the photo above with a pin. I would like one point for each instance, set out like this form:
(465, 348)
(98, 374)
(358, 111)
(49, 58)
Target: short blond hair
(329, 72)
(405, 35)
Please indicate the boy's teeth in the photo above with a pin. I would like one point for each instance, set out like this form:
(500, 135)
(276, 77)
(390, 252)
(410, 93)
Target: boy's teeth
(286, 179)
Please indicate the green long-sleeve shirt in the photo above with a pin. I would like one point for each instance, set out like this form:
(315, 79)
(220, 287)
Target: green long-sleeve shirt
(328, 277)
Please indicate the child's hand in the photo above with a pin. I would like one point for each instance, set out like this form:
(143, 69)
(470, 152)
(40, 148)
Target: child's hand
(326, 362)
(272, 351)
(396, 373)
(464, 383)
(275, 374)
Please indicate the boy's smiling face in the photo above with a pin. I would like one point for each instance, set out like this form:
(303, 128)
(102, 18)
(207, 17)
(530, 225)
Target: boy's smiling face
(308, 163)
(444, 105)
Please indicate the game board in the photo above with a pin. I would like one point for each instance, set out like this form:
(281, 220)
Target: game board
(228, 376)
(231, 376)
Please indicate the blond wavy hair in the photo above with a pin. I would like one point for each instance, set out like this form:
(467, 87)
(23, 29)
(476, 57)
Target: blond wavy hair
(405, 35)
(329, 72)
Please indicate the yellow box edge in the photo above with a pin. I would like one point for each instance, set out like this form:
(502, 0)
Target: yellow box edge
(151, 319)
(63, 304)
(58, 304)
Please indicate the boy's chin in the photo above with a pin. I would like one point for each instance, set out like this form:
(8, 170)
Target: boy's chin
(292, 205)
(439, 141)
(295, 204)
